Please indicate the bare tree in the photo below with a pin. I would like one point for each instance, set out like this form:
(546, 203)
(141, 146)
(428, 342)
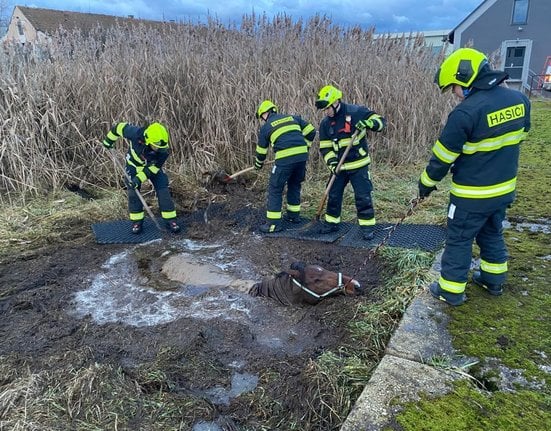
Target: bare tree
(5, 12)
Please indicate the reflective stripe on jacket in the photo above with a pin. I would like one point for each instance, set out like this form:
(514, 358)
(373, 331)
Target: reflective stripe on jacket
(290, 137)
(480, 144)
(140, 156)
(335, 135)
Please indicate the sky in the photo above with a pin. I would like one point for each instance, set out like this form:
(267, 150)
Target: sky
(384, 15)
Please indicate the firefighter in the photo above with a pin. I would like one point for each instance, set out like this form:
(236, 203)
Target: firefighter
(336, 129)
(291, 138)
(480, 144)
(146, 155)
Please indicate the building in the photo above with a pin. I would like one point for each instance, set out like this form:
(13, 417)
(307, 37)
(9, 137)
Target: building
(33, 26)
(517, 30)
(437, 40)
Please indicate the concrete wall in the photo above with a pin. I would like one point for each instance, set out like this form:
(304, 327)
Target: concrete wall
(433, 38)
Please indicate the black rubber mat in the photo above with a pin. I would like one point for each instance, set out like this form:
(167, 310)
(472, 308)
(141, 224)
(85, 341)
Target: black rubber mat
(287, 225)
(119, 232)
(305, 231)
(423, 236)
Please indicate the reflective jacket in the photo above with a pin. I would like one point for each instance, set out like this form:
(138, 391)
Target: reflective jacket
(480, 143)
(335, 134)
(290, 136)
(140, 156)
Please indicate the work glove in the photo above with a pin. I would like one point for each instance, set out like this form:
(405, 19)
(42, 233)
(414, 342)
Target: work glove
(425, 191)
(108, 143)
(333, 167)
(258, 165)
(365, 124)
(135, 182)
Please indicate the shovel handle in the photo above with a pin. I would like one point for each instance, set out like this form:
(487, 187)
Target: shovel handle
(250, 168)
(357, 135)
(140, 197)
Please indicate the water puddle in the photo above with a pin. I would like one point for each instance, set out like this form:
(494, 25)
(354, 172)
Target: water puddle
(543, 227)
(186, 269)
(120, 293)
(240, 384)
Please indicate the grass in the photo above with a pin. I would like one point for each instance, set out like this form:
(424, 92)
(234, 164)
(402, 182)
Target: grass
(534, 200)
(31, 224)
(466, 409)
(92, 397)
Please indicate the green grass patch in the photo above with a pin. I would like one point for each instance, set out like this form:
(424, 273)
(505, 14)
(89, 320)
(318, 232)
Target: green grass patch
(534, 175)
(469, 409)
(512, 327)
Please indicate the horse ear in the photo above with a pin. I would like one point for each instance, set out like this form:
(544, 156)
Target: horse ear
(299, 266)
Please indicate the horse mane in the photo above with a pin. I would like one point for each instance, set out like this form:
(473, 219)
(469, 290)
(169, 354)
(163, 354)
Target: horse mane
(279, 288)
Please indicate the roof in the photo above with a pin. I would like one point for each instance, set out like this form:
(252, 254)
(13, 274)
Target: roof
(425, 33)
(481, 8)
(49, 21)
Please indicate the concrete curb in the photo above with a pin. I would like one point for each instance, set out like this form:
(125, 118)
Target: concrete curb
(405, 371)
(394, 380)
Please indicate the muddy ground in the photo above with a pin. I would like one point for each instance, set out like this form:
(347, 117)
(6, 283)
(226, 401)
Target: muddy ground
(226, 354)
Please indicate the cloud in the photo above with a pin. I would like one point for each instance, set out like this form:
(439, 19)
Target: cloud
(387, 15)
(400, 19)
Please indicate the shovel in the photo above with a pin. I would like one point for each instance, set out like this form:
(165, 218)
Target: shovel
(140, 197)
(356, 136)
(225, 178)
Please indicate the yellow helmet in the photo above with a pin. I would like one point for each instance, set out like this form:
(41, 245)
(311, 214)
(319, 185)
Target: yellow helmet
(265, 106)
(327, 96)
(156, 135)
(461, 68)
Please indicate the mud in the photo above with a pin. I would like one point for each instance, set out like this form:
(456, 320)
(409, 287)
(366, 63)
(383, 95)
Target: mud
(127, 305)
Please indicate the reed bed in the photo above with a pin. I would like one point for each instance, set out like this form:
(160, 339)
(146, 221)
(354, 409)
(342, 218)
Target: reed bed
(204, 81)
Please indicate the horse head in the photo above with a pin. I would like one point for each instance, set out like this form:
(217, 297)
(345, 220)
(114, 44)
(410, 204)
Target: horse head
(306, 284)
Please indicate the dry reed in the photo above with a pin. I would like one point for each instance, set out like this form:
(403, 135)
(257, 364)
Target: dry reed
(204, 81)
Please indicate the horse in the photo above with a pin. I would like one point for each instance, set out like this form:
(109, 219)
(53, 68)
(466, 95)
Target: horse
(305, 284)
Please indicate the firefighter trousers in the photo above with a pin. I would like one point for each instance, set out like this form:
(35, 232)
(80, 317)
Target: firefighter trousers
(361, 183)
(160, 183)
(486, 229)
(293, 175)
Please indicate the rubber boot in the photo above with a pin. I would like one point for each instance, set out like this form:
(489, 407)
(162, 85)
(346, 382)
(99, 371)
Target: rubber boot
(173, 226)
(270, 227)
(292, 217)
(492, 289)
(368, 232)
(137, 227)
(454, 299)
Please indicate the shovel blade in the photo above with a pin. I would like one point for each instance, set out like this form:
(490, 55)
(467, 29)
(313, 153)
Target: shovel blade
(222, 177)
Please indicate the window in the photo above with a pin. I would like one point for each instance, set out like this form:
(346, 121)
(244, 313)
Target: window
(20, 27)
(514, 61)
(520, 12)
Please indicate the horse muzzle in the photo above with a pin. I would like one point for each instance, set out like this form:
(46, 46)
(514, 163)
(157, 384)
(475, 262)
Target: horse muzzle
(356, 288)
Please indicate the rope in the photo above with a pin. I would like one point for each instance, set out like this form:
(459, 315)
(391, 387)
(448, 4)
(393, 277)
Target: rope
(372, 252)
